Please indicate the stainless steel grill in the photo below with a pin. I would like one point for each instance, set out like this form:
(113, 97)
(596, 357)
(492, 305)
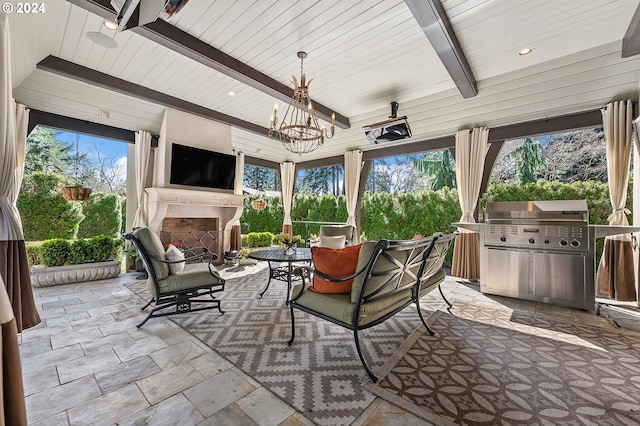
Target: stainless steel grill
(539, 250)
(544, 225)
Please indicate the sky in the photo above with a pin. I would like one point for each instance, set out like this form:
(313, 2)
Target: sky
(108, 147)
(88, 143)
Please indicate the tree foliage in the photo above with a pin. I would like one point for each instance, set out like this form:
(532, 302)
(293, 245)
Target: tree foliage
(438, 166)
(45, 153)
(103, 215)
(261, 178)
(528, 160)
(45, 213)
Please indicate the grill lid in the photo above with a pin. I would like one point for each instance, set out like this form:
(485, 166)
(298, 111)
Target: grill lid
(553, 210)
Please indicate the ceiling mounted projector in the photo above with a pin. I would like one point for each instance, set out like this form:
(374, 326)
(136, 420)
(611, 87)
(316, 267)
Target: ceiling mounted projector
(133, 13)
(393, 129)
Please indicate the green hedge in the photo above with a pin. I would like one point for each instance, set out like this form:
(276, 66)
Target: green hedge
(44, 211)
(103, 215)
(260, 239)
(58, 251)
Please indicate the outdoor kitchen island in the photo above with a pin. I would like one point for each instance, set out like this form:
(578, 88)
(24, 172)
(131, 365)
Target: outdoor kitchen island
(540, 250)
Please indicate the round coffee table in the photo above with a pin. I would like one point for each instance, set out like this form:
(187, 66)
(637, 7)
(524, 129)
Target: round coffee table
(281, 272)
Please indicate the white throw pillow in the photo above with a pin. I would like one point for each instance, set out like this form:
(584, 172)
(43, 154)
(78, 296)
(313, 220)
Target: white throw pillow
(336, 242)
(173, 253)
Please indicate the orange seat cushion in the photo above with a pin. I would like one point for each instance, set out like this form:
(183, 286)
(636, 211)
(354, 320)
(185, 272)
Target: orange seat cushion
(336, 263)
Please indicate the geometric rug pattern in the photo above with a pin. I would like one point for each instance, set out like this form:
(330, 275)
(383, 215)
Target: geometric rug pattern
(320, 373)
(489, 366)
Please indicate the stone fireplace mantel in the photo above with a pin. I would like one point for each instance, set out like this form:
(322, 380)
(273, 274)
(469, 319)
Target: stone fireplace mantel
(170, 202)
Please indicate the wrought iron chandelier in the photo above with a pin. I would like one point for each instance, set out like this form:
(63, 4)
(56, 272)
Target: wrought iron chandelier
(299, 130)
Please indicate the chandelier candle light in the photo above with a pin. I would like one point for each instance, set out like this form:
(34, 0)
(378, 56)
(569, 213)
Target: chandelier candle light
(299, 130)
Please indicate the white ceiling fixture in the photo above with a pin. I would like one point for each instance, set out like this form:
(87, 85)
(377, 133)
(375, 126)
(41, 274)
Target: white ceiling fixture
(102, 39)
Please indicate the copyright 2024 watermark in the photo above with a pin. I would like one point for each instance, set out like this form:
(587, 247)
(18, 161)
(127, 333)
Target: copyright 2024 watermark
(24, 8)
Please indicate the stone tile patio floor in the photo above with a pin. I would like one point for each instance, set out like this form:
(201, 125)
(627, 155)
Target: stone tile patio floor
(87, 364)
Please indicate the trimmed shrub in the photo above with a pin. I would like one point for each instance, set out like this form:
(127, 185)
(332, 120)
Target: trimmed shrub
(44, 211)
(260, 239)
(33, 253)
(58, 251)
(54, 252)
(103, 247)
(78, 252)
(103, 215)
(270, 219)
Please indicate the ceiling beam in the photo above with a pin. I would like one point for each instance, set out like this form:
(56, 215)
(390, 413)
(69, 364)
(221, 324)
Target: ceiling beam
(436, 26)
(78, 72)
(631, 39)
(48, 119)
(191, 47)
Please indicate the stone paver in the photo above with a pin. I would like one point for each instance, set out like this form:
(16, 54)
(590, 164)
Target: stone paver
(87, 363)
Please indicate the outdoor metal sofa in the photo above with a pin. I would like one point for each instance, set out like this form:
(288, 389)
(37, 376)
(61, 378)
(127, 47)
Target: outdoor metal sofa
(195, 285)
(389, 276)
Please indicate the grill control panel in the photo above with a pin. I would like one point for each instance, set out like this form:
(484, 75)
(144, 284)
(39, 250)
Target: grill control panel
(556, 237)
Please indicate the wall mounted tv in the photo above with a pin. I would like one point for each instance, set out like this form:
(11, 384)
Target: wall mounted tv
(199, 167)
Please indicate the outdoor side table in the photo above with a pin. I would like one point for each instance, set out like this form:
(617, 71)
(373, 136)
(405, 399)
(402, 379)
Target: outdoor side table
(275, 257)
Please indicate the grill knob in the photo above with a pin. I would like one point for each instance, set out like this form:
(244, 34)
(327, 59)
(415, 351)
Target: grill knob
(546, 241)
(503, 239)
(563, 242)
(532, 241)
(575, 243)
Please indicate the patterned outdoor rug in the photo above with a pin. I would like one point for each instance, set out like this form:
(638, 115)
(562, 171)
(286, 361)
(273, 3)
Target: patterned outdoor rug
(320, 374)
(490, 366)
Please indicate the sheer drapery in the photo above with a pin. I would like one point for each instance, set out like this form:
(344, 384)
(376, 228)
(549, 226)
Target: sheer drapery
(615, 278)
(352, 169)
(287, 173)
(471, 148)
(14, 267)
(12, 403)
(236, 235)
(143, 152)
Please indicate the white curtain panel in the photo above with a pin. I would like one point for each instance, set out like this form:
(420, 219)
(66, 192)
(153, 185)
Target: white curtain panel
(239, 181)
(143, 152)
(617, 122)
(287, 172)
(352, 169)
(471, 148)
(22, 128)
(11, 228)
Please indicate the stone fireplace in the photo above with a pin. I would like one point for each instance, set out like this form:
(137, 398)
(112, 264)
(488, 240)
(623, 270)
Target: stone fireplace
(199, 218)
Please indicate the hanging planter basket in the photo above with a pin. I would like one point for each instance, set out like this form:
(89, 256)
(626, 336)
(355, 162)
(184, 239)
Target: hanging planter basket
(258, 204)
(74, 193)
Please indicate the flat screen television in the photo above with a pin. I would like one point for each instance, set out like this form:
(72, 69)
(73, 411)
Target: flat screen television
(199, 167)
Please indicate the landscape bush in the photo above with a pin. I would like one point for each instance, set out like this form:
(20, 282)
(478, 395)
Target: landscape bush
(58, 251)
(260, 239)
(102, 215)
(54, 252)
(44, 211)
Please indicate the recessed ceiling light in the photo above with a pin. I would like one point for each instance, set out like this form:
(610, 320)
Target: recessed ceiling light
(525, 52)
(110, 24)
(231, 93)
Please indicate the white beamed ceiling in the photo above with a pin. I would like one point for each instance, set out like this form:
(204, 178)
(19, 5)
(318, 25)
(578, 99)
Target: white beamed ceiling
(362, 55)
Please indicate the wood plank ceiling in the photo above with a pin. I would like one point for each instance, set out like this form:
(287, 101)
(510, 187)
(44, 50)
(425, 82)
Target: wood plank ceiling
(362, 55)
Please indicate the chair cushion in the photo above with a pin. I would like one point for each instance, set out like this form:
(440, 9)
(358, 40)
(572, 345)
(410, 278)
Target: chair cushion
(431, 282)
(172, 254)
(194, 275)
(152, 244)
(340, 307)
(336, 263)
(336, 230)
(336, 242)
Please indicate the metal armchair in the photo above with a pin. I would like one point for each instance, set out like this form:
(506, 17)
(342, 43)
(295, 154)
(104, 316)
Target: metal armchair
(196, 284)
